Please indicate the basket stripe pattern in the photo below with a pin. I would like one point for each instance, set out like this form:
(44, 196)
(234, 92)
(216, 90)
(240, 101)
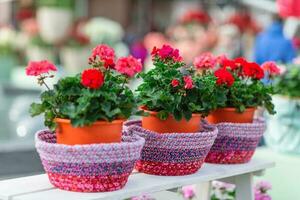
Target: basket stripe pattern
(172, 154)
(88, 168)
(236, 142)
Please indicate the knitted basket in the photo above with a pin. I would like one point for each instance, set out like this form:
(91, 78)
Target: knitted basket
(236, 142)
(88, 168)
(172, 154)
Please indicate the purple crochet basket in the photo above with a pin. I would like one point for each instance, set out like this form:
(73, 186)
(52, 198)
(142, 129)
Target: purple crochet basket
(172, 154)
(236, 142)
(88, 168)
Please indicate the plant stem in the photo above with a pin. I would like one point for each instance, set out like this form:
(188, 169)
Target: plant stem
(45, 84)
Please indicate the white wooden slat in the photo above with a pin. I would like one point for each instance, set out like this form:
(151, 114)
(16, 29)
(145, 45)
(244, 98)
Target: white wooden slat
(18, 186)
(141, 183)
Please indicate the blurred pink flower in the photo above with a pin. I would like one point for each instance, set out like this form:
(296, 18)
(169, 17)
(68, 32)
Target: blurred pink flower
(128, 65)
(221, 58)
(271, 68)
(263, 186)
(154, 39)
(189, 191)
(260, 196)
(205, 61)
(36, 68)
(30, 26)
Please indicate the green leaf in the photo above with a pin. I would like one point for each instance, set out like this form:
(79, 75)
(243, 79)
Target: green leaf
(163, 115)
(36, 109)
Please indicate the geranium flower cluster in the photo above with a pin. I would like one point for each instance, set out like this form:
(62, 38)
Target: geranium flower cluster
(103, 59)
(238, 68)
(38, 68)
(238, 81)
(230, 70)
(166, 53)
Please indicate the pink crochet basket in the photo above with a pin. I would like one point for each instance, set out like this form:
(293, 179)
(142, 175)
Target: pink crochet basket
(172, 154)
(236, 142)
(88, 168)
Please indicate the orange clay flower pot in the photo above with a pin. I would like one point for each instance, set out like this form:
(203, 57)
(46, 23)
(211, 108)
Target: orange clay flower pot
(99, 132)
(170, 125)
(230, 115)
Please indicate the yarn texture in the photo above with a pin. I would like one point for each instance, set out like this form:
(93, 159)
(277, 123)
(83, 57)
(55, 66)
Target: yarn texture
(88, 168)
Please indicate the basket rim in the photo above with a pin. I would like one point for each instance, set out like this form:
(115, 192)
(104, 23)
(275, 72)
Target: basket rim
(136, 141)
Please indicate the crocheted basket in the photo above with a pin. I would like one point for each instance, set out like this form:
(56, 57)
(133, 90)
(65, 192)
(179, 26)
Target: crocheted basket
(88, 168)
(172, 154)
(236, 142)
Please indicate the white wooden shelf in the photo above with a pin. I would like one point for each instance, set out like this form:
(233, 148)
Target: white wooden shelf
(38, 187)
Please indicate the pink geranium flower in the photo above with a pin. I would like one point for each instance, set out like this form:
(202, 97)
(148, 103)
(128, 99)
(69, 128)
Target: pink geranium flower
(167, 52)
(129, 65)
(205, 61)
(271, 68)
(189, 191)
(36, 68)
(104, 54)
(188, 82)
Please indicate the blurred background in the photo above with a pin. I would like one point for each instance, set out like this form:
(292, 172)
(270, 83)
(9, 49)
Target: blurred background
(65, 31)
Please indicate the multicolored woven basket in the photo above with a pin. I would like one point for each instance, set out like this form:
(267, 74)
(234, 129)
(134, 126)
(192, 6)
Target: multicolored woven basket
(88, 168)
(172, 154)
(236, 143)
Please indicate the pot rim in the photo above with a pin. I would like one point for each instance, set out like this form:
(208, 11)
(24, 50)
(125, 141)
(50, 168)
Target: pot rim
(68, 121)
(234, 109)
(155, 112)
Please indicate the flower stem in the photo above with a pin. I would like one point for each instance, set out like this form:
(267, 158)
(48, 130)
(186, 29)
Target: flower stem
(45, 84)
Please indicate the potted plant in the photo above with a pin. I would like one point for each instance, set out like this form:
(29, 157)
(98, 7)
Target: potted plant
(38, 49)
(91, 106)
(54, 18)
(173, 98)
(241, 83)
(282, 132)
(75, 51)
(7, 58)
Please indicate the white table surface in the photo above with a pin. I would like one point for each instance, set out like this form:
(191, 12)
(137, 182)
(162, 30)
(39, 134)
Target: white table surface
(39, 188)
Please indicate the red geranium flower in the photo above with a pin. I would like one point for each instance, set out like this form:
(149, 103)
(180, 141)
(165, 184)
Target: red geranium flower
(154, 51)
(129, 65)
(92, 78)
(188, 82)
(224, 77)
(104, 54)
(36, 68)
(253, 70)
(227, 63)
(174, 82)
(271, 68)
(205, 61)
(240, 62)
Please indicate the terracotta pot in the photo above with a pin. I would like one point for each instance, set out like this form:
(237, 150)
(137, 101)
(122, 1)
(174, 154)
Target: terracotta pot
(170, 125)
(99, 132)
(230, 115)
